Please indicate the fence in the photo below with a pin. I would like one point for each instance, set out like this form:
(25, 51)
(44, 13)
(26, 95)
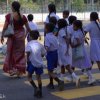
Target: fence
(82, 11)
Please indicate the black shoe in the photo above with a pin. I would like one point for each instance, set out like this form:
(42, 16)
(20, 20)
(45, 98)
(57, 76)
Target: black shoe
(39, 94)
(50, 86)
(61, 85)
(35, 92)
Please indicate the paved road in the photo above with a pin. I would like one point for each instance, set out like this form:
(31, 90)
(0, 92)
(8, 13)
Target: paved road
(12, 88)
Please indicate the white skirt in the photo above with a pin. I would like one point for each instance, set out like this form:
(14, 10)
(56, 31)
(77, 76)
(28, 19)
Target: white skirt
(64, 58)
(95, 50)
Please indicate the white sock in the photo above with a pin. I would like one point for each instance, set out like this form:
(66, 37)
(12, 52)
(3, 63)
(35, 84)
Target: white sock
(74, 75)
(89, 74)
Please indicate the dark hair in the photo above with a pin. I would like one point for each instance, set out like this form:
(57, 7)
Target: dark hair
(50, 27)
(72, 19)
(94, 17)
(52, 8)
(53, 20)
(79, 24)
(66, 12)
(30, 17)
(34, 34)
(16, 6)
(62, 23)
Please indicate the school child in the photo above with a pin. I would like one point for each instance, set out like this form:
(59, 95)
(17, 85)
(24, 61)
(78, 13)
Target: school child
(32, 25)
(52, 12)
(65, 52)
(54, 21)
(80, 56)
(51, 45)
(94, 31)
(35, 51)
(70, 31)
(66, 15)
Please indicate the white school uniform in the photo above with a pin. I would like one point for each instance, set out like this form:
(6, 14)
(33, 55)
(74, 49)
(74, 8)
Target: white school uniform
(33, 26)
(36, 51)
(51, 42)
(70, 30)
(64, 58)
(85, 61)
(94, 33)
(67, 20)
(52, 15)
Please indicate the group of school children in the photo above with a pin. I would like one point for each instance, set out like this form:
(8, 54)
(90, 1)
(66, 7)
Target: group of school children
(64, 46)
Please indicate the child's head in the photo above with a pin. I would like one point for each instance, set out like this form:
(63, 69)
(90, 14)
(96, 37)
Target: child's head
(34, 34)
(49, 27)
(65, 13)
(77, 25)
(72, 19)
(62, 23)
(30, 17)
(52, 8)
(94, 16)
(53, 20)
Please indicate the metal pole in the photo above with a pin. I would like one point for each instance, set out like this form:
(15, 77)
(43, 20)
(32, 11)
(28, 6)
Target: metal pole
(7, 5)
(42, 10)
(92, 4)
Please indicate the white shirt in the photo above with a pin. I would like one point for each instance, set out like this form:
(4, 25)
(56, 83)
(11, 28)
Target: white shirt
(61, 35)
(93, 30)
(33, 26)
(77, 34)
(63, 46)
(67, 21)
(36, 51)
(52, 15)
(70, 30)
(51, 41)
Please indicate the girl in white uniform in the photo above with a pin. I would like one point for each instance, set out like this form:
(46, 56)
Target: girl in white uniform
(52, 12)
(94, 30)
(64, 51)
(80, 56)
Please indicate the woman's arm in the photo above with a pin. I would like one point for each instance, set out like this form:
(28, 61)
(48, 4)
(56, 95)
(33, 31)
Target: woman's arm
(2, 34)
(28, 28)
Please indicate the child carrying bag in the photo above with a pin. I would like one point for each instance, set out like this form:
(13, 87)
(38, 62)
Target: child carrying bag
(78, 53)
(10, 29)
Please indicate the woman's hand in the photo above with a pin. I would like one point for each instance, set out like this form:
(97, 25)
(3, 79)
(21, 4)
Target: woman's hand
(2, 39)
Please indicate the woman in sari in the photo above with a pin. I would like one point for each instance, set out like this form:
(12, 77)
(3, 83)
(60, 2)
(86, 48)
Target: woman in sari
(15, 62)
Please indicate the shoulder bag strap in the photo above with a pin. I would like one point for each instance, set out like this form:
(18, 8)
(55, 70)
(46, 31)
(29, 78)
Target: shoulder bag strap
(11, 20)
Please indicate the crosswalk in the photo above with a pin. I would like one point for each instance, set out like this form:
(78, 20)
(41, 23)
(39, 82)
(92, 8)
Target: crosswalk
(70, 92)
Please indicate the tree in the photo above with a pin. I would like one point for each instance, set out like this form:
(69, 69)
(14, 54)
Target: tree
(78, 5)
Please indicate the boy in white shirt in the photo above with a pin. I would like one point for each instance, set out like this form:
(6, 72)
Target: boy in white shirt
(32, 25)
(51, 45)
(35, 51)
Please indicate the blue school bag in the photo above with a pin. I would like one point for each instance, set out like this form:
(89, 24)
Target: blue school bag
(77, 53)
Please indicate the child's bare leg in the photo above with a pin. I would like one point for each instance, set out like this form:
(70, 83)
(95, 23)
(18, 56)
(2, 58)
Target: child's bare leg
(98, 63)
(62, 73)
(31, 81)
(60, 83)
(39, 85)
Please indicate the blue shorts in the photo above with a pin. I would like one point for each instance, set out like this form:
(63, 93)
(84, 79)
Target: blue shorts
(31, 69)
(52, 60)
